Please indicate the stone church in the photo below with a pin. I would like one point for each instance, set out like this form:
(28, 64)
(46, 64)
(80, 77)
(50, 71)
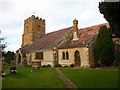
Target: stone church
(66, 46)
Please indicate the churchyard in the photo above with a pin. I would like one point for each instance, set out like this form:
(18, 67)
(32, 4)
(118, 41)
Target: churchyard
(93, 78)
(47, 77)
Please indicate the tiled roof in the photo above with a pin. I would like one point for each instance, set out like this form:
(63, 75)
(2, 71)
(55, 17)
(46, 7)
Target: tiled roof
(85, 35)
(48, 41)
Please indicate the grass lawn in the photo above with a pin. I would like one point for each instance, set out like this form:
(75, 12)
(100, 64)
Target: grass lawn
(24, 78)
(0, 83)
(93, 78)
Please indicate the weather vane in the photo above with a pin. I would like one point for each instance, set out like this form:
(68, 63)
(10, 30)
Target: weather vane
(34, 13)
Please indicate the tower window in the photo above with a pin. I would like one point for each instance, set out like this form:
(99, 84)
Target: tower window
(38, 28)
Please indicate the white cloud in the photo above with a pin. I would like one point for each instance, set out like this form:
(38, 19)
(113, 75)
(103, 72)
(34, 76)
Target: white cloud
(57, 13)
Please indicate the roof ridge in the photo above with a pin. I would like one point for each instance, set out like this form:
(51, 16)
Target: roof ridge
(94, 25)
(59, 30)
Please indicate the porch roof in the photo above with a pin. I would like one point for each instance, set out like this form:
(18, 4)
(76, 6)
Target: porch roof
(86, 35)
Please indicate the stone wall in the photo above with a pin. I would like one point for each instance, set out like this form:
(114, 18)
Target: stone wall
(29, 58)
(92, 51)
(47, 58)
(83, 56)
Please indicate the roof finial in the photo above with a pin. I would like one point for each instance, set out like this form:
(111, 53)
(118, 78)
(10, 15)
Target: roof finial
(75, 21)
(75, 29)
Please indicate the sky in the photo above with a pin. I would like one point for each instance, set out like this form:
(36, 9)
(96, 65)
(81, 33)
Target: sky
(58, 14)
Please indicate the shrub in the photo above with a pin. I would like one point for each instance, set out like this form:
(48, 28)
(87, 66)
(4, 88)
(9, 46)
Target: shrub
(65, 66)
(44, 66)
(48, 65)
(28, 66)
(72, 65)
(92, 66)
(57, 65)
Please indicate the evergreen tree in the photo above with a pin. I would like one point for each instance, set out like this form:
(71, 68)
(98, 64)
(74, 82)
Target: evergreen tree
(105, 48)
(111, 12)
(9, 56)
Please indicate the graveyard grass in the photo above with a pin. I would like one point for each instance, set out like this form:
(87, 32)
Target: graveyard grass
(93, 78)
(47, 78)
(24, 78)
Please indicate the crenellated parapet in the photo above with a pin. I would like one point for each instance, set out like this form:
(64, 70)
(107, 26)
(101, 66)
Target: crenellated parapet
(34, 18)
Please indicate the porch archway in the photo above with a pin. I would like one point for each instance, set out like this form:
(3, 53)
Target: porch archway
(77, 59)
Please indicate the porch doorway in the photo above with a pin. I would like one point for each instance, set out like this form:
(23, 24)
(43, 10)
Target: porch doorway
(77, 59)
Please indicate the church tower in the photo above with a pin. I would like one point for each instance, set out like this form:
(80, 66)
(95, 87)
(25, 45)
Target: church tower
(34, 27)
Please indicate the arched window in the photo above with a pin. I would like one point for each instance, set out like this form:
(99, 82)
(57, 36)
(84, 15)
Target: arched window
(63, 55)
(67, 55)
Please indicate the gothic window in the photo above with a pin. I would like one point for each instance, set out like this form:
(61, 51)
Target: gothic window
(63, 55)
(39, 55)
(67, 55)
